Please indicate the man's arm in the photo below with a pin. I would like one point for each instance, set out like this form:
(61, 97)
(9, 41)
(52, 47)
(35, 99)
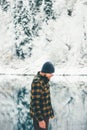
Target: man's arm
(36, 100)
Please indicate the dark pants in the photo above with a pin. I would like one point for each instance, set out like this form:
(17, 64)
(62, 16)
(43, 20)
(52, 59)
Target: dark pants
(36, 124)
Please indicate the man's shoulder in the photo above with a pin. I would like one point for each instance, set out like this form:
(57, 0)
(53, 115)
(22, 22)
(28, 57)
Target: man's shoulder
(37, 79)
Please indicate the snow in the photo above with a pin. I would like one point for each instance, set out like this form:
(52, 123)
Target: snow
(62, 41)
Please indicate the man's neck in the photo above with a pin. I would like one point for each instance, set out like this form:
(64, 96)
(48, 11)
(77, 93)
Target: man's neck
(42, 74)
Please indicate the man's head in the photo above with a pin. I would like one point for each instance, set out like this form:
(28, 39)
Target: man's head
(48, 69)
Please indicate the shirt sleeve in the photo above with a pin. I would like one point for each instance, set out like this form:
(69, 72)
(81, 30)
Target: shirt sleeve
(36, 99)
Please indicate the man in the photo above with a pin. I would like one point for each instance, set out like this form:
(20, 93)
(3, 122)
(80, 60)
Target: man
(40, 106)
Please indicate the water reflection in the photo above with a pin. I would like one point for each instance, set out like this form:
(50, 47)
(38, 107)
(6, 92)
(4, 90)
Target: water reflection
(69, 100)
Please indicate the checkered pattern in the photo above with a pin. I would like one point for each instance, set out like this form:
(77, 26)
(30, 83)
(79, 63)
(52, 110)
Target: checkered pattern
(40, 105)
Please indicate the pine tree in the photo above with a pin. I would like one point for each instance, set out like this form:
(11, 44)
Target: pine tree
(26, 24)
(4, 5)
(23, 31)
(24, 121)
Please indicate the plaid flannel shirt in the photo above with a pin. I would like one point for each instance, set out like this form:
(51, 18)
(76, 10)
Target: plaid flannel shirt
(40, 105)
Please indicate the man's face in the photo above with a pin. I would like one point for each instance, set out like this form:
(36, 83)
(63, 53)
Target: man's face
(48, 75)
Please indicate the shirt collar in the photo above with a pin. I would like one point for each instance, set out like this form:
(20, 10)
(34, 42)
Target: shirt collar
(44, 78)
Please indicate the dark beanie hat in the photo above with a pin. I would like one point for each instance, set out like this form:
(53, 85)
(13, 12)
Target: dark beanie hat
(48, 68)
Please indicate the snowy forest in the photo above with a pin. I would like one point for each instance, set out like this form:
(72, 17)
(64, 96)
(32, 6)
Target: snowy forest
(31, 33)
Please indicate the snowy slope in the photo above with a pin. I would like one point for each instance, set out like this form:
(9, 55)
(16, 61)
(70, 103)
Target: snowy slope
(62, 41)
(34, 32)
